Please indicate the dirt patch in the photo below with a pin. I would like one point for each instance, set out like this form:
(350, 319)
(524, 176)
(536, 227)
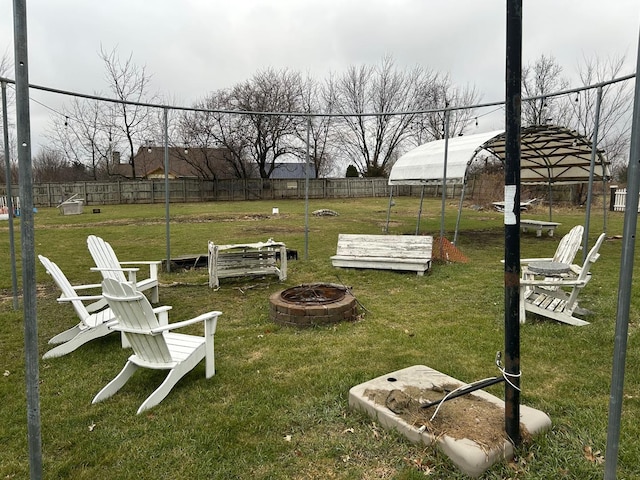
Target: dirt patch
(468, 416)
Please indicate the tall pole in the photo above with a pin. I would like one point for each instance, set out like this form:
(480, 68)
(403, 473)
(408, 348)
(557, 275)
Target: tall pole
(594, 150)
(447, 113)
(27, 238)
(166, 186)
(7, 163)
(306, 193)
(512, 219)
(624, 292)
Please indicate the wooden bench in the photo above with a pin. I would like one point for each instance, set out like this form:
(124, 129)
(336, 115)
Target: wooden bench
(386, 252)
(538, 226)
(248, 259)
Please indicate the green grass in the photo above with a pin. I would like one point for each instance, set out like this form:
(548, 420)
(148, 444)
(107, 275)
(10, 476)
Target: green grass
(277, 406)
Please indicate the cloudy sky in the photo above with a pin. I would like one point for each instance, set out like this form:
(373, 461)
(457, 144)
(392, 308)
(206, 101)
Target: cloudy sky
(192, 47)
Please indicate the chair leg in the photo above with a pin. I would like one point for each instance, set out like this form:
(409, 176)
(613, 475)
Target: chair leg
(155, 297)
(116, 384)
(165, 387)
(66, 335)
(80, 339)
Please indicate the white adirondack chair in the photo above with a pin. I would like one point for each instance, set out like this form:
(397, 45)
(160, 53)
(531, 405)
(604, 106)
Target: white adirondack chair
(567, 248)
(93, 322)
(153, 344)
(557, 298)
(109, 266)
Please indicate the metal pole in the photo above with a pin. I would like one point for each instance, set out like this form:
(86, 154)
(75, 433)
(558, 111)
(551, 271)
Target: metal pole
(447, 113)
(386, 229)
(306, 194)
(420, 210)
(7, 163)
(27, 239)
(624, 292)
(594, 149)
(512, 219)
(166, 187)
(464, 188)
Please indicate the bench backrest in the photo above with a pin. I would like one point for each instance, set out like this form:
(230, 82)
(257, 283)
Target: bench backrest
(394, 246)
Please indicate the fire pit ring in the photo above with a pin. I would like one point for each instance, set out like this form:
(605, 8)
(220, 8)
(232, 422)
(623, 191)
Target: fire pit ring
(313, 304)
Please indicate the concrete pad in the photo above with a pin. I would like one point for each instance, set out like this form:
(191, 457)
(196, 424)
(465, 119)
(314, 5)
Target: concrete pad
(470, 457)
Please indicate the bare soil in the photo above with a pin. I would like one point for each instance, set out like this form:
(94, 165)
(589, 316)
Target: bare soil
(468, 416)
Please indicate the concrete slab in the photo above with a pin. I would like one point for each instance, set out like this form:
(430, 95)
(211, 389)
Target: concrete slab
(470, 457)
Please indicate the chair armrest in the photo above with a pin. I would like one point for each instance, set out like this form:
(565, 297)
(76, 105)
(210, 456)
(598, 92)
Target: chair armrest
(104, 269)
(142, 262)
(162, 314)
(81, 298)
(529, 260)
(86, 287)
(153, 266)
(199, 318)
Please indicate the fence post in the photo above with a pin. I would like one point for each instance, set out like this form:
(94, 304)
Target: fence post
(612, 197)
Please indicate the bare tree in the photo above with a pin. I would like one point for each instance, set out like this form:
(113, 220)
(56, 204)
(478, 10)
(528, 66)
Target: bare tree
(438, 92)
(206, 131)
(615, 108)
(266, 138)
(541, 78)
(129, 83)
(257, 139)
(372, 142)
(50, 165)
(318, 98)
(86, 134)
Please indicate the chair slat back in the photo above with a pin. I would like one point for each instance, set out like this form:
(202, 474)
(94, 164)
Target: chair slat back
(134, 312)
(104, 257)
(591, 257)
(569, 246)
(65, 287)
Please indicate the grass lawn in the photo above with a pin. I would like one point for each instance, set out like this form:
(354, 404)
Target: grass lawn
(277, 406)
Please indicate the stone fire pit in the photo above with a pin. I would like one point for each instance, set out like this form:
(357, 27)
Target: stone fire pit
(313, 304)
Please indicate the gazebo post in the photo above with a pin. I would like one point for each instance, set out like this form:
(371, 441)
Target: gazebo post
(420, 210)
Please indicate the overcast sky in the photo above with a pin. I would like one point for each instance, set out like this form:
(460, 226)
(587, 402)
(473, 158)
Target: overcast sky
(192, 47)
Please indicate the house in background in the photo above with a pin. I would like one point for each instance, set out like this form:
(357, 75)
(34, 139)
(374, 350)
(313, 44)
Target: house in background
(202, 163)
(292, 169)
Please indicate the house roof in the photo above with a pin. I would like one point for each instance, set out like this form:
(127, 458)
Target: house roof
(549, 154)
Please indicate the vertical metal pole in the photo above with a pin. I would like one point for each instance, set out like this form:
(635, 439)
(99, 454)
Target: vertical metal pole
(306, 194)
(464, 188)
(32, 373)
(444, 177)
(386, 228)
(512, 219)
(624, 292)
(7, 163)
(166, 187)
(594, 149)
(420, 210)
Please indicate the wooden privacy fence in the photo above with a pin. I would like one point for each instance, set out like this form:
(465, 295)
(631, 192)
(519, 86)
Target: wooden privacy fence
(193, 190)
(620, 200)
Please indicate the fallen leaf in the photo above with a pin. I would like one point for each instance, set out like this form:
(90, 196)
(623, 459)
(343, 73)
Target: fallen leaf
(594, 457)
(7, 373)
(348, 430)
(92, 426)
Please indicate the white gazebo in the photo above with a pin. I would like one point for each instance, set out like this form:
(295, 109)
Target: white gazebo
(550, 155)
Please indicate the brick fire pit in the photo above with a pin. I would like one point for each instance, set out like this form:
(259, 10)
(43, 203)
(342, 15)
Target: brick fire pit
(313, 304)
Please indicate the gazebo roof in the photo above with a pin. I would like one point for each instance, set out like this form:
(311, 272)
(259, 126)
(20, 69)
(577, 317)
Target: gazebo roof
(549, 154)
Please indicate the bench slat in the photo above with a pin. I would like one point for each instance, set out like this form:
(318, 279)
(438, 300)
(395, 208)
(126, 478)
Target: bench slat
(389, 252)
